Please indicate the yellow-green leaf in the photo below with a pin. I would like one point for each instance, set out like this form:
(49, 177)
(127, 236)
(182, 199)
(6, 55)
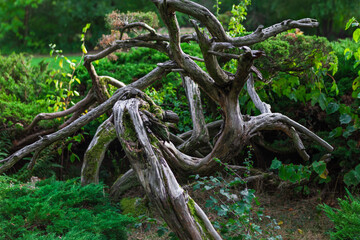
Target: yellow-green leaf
(324, 174)
(61, 63)
(356, 35)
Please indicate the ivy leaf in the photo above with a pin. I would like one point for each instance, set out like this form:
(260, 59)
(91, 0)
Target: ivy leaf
(345, 118)
(276, 164)
(332, 107)
(352, 178)
(322, 101)
(319, 167)
(356, 35)
(336, 132)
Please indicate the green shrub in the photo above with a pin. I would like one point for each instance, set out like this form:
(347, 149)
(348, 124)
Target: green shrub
(23, 89)
(52, 209)
(346, 219)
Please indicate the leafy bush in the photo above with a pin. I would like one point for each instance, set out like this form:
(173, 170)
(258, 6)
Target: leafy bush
(24, 89)
(51, 209)
(346, 219)
(236, 205)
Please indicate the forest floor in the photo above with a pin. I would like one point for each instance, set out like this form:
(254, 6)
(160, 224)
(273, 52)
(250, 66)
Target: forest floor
(298, 216)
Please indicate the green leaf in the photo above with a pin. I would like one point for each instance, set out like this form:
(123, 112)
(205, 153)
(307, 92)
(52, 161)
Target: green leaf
(276, 164)
(336, 132)
(356, 35)
(332, 107)
(352, 144)
(356, 83)
(348, 24)
(83, 48)
(322, 101)
(319, 167)
(345, 119)
(352, 178)
(334, 88)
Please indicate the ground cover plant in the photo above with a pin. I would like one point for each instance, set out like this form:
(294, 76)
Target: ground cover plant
(50, 209)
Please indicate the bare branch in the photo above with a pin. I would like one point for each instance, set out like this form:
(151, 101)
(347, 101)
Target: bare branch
(262, 106)
(90, 97)
(83, 120)
(202, 14)
(211, 62)
(137, 24)
(267, 121)
(200, 134)
(112, 81)
(261, 34)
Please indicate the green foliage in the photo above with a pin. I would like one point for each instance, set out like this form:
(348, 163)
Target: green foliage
(51, 209)
(23, 89)
(346, 219)
(236, 204)
(239, 13)
(296, 173)
(117, 19)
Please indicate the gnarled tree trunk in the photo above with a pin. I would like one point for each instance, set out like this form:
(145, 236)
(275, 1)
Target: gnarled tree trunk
(154, 153)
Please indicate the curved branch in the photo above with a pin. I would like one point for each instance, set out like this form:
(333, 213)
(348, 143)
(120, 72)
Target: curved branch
(262, 106)
(122, 184)
(118, 44)
(262, 34)
(45, 141)
(137, 24)
(112, 81)
(154, 174)
(202, 14)
(193, 70)
(211, 62)
(200, 134)
(268, 121)
(95, 152)
(90, 97)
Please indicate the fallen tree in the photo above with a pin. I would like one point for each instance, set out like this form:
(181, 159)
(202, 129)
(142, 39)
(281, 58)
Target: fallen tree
(141, 126)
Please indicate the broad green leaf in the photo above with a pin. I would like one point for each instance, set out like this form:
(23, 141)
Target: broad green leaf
(332, 107)
(356, 83)
(348, 24)
(356, 35)
(276, 164)
(336, 132)
(319, 167)
(345, 119)
(352, 178)
(322, 101)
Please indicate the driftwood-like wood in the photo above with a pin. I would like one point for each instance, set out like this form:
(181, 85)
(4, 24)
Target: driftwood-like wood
(153, 151)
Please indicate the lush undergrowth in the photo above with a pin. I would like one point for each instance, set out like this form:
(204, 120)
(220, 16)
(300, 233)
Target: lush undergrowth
(50, 209)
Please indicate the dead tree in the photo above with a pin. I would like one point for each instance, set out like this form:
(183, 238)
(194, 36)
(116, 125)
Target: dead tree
(139, 124)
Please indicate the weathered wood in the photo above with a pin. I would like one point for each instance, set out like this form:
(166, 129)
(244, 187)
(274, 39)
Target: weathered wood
(179, 211)
(200, 135)
(95, 152)
(122, 184)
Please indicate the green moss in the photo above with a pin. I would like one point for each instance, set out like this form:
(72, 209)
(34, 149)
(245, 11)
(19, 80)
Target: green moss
(133, 206)
(191, 205)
